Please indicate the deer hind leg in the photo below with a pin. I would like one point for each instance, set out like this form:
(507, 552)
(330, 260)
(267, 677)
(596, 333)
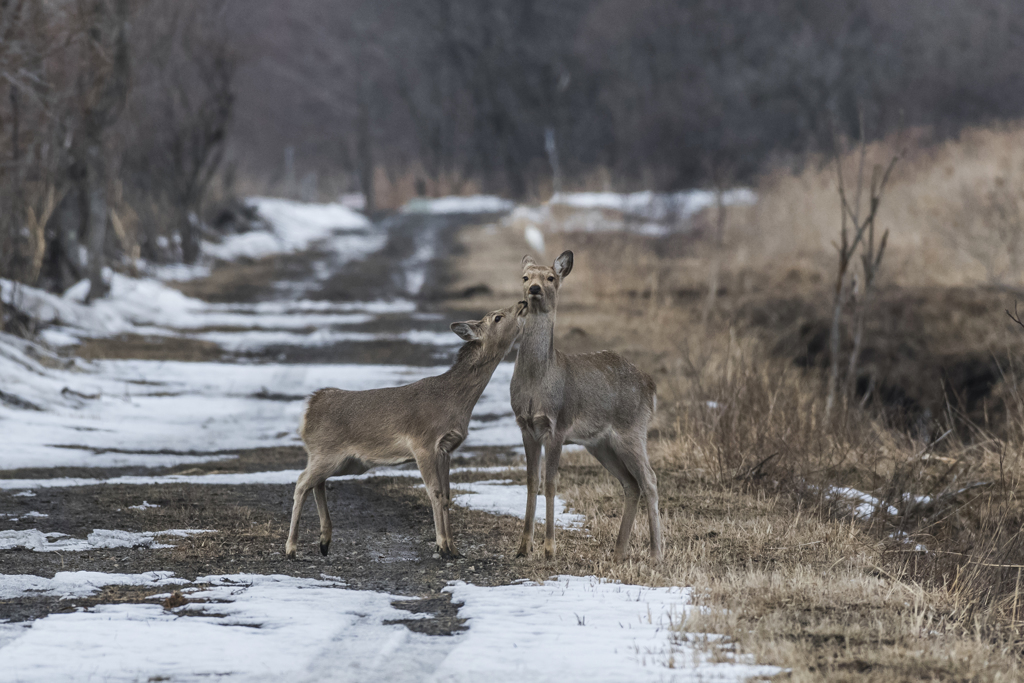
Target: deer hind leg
(631, 490)
(350, 465)
(532, 447)
(634, 457)
(320, 495)
(552, 454)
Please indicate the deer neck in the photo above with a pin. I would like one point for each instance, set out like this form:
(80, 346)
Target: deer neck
(471, 372)
(537, 345)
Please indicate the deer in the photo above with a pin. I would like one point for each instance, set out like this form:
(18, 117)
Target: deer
(347, 432)
(599, 401)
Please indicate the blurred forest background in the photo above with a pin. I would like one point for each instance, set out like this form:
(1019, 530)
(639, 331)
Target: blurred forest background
(127, 125)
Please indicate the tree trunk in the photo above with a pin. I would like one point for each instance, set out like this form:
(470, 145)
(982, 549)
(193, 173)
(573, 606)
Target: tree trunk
(96, 215)
(190, 237)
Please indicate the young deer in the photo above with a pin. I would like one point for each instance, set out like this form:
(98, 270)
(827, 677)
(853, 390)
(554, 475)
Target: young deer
(597, 400)
(346, 432)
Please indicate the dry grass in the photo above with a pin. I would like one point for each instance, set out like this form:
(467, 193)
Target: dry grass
(745, 454)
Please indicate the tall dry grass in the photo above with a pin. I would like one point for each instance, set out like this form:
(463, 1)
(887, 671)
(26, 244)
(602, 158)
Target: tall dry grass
(927, 583)
(955, 210)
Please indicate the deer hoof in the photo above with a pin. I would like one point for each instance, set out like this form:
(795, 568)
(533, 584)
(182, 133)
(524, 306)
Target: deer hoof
(290, 554)
(324, 547)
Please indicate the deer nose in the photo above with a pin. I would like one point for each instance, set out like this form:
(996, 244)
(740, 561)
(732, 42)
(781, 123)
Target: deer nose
(534, 289)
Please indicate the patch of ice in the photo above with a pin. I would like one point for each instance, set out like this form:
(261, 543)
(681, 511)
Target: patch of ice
(581, 629)
(25, 494)
(473, 204)
(53, 541)
(76, 584)
(262, 628)
(144, 505)
(505, 498)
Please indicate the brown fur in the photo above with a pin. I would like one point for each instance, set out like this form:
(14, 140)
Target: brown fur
(597, 400)
(346, 432)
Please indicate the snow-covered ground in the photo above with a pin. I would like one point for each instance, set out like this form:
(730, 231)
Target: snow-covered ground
(161, 413)
(263, 628)
(297, 226)
(56, 412)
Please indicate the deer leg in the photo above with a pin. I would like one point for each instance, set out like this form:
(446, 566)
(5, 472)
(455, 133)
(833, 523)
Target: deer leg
(302, 489)
(432, 482)
(631, 491)
(552, 454)
(444, 473)
(532, 447)
(320, 495)
(636, 460)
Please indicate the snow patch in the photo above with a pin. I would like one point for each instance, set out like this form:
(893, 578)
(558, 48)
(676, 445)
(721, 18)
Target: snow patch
(473, 204)
(502, 497)
(272, 478)
(35, 540)
(76, 584)
(864, 505)
(298, 226)
(581, 629)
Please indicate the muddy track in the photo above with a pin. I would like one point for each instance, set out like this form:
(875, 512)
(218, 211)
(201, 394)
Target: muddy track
(383, 537)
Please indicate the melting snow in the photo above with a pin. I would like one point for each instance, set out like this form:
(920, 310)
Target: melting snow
(580, 629)
(40, 542)
(653, 205)
(125, 412)
(260, 628)
(76, 584)
(297, 226)
(473, 204)
(864, 505)
(275, 477)
(267, 628)
(506, 498)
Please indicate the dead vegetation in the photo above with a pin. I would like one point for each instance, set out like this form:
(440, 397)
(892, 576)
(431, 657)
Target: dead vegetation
(924, 584)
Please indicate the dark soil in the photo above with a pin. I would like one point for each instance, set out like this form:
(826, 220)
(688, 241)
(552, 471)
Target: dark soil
(383, 528)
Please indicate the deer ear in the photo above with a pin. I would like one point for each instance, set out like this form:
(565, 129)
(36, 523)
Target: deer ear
(468, 331)
(528, 261)
(563, 264)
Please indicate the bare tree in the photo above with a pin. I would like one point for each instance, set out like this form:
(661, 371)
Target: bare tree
(856, 231)
(102, 87)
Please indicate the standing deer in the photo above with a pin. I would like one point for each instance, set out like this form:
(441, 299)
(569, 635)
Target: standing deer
(346, 432)
(597, 400)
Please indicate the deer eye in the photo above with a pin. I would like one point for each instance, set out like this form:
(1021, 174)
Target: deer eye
(551, 279)
(497, 318)
(525, 278)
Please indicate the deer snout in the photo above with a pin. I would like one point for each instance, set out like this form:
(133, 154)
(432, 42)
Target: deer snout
(534, 290)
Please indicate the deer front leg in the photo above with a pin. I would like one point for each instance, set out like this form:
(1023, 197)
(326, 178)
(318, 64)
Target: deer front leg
(532, 447)
(552, 454)
(432, 482)
(320, 495)
(444, 473)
